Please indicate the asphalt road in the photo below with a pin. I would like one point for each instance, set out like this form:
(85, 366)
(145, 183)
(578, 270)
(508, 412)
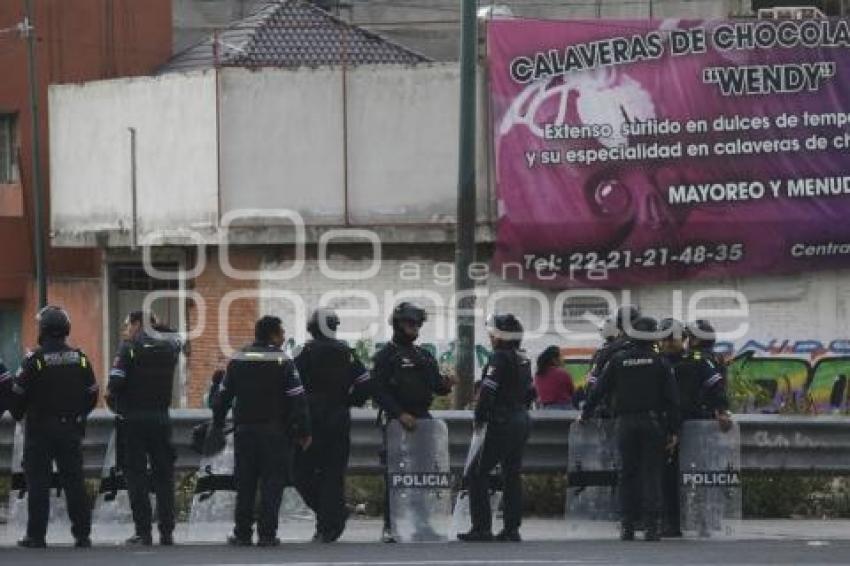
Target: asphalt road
(455, 554)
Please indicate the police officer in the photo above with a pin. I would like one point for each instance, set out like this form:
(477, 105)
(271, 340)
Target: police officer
(55, 390)
(407, 378)
(270, 410)
(140, 387)
(506, 392)
(640, 386)
(616, 338)
(673, 350)
(702, 377)
(335, 380)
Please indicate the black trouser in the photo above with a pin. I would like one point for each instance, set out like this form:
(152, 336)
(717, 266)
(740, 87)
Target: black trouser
(504, 444)
(60, 440)
(640, 439)
(670, 488)
(262, 454)
(149, 440)
(320, 470)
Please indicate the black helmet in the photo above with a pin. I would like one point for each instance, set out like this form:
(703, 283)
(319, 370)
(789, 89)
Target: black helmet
(671, 328)
(323, 322)
(505, 327)
(702, 331)
(407, 312)
(53, 321)
(644, 329)
(626, 313)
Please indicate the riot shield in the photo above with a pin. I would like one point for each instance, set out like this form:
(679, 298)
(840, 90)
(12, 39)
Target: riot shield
(710, 479)
(419, 481)
(112, 518)
(59, 525)
(593, 462)
(214, 501)
(461, 517)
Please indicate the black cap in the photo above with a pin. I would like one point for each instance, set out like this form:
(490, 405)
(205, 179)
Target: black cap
(408, 312)
(701, 330)
(626, 313)
(644, 329)
(323, 322)
(53, 321)
(672, 328)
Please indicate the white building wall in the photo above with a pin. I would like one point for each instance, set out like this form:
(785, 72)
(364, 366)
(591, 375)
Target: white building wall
(176, 174)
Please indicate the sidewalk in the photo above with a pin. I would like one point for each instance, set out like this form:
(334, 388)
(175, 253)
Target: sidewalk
(369, 530)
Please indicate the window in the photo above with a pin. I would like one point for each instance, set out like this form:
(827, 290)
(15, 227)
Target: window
(576, 308)
(7, 149)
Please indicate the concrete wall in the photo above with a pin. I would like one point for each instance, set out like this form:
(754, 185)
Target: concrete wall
(176, 155)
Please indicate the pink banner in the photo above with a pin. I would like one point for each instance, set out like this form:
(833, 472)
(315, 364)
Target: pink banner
(631, 152)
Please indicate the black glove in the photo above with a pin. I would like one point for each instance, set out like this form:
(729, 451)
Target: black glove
(214, 441)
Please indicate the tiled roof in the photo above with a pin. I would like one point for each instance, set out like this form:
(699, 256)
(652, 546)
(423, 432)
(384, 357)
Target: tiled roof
(291, 33)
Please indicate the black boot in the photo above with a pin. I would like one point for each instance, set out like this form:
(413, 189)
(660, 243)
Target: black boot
(475, 536)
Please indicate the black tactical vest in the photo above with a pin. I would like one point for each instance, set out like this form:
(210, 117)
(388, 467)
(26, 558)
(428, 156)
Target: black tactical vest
(258, 379)
(59, 388)
(326, 374)
(150, 380)
(410, 378)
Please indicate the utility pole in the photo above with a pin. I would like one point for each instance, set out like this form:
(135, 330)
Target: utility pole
(28, 29)
(466, 217)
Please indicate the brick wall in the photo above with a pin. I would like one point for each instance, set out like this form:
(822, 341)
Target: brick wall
(206, 350)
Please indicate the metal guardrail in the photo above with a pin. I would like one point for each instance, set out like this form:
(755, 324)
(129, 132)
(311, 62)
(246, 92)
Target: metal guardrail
(792, 444)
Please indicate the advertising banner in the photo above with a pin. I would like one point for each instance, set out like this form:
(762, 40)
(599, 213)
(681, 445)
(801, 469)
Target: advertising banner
(632, 152)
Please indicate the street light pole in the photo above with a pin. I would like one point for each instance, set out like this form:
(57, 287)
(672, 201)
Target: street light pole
(40, 265)
(466, 216)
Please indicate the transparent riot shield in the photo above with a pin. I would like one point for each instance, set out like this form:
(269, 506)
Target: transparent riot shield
(593, 462)
(112, 518)
(710, 479)
(59, 525)
(214, 501)
(419, 481)
(461, 517)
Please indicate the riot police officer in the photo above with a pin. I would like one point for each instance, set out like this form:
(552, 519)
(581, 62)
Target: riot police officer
(140, 389)
(701, 380)
(506, 392)
(614, 331)
(640, 386)
(270, 411)
(702, 377)
(407, 378)
(55, 390)
(335, 380)
(673, 350)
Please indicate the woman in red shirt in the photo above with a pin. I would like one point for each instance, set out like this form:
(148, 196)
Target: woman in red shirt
(553, 383)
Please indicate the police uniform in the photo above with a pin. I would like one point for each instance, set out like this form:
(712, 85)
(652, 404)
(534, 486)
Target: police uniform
(670, 479)
(641, 389)
(55, 391)
(334, 380)
(598, 362)
(407, 378)
(262, 386)
(506, 392)
(140, 390)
